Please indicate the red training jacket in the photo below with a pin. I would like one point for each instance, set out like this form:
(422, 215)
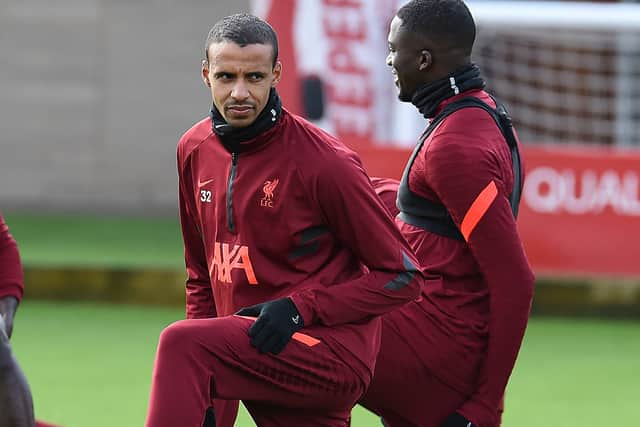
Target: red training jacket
(387, 190)
(294, 214)
(11, 280)
(475, 309)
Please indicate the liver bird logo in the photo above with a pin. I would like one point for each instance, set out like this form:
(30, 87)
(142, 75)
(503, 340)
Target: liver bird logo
(268, 189)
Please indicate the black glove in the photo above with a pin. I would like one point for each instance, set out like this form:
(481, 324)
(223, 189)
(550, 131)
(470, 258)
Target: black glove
(276, 322)
(457, 420)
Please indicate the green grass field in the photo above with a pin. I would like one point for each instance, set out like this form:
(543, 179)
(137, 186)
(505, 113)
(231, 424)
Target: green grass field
(75, 240)
(90, 365)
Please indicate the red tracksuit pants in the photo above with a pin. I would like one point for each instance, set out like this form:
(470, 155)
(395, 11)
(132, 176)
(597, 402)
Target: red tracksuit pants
(201, 359)
(403, 391)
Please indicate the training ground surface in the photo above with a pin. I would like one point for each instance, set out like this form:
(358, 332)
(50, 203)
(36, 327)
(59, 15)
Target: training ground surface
(90, 365)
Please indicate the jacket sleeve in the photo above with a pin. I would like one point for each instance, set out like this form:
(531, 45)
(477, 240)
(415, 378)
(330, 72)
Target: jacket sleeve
(360, 222)
(387, 190)
(474, 183)
(11, 276)
(200, 300)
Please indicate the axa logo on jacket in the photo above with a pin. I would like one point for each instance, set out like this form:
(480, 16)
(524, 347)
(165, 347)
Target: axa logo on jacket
(226, 258)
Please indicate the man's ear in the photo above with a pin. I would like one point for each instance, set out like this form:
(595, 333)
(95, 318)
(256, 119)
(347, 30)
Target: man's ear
(425, 60)
(277, 73)
(205, 73)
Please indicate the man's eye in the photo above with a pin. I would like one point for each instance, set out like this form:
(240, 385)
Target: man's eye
(255, 77)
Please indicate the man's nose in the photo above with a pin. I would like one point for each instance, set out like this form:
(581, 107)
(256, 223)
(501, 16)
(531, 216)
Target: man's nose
(240, 91)
(389, 59)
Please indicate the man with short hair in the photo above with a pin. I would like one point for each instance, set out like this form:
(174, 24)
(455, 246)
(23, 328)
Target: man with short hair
(280, 218)
(445, 359)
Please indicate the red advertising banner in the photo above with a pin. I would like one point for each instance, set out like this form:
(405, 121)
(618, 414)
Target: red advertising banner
(580, 210)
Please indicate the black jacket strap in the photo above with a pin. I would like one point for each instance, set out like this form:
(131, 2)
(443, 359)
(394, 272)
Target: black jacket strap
(433, 216)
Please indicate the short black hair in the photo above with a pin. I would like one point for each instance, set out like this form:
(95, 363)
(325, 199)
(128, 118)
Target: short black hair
(446, 22)
(242, 29)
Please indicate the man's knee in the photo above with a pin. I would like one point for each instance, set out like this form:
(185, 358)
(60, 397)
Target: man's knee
(175, 337)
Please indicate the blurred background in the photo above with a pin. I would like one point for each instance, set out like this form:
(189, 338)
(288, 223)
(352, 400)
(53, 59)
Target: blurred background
(94, 95)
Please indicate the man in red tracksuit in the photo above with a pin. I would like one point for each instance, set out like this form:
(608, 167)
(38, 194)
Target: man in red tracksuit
(280, 218)
(445, 359)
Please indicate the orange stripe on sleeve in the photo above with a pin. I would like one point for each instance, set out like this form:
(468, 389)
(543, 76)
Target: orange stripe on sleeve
(478, 208)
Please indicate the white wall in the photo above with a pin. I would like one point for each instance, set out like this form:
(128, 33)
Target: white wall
(93, 97)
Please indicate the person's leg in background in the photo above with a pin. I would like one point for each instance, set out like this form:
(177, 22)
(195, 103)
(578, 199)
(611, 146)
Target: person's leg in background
(422, 401)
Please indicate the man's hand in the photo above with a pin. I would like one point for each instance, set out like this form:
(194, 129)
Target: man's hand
(8, 306)
(276, 322)
(457, 420)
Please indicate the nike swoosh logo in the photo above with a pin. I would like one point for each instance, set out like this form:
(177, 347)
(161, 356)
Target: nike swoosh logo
(205, 182)
(296, 319)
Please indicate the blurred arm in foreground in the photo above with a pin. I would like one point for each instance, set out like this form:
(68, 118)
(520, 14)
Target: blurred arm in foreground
(11, 278)
(16, 405)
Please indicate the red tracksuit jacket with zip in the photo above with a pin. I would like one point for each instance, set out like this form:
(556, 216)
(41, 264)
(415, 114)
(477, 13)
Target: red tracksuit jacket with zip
(293, 214)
